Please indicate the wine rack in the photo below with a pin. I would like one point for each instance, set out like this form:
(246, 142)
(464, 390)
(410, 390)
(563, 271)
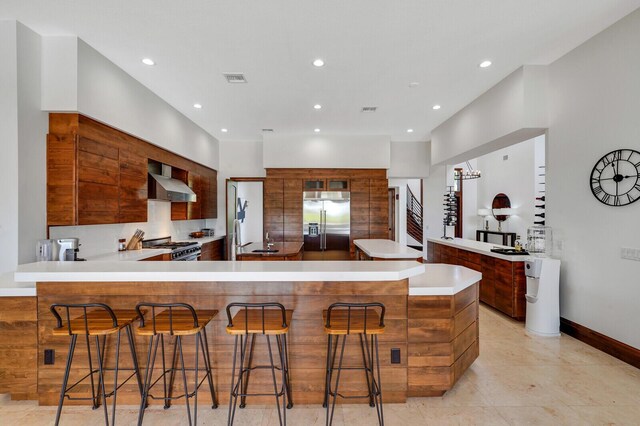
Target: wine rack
(450, 211)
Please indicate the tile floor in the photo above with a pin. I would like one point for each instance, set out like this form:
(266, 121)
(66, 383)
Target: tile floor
(518, 379)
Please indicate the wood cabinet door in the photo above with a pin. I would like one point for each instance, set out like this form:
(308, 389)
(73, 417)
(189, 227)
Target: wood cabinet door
(194, 209)
(61, 180)
(209, 204)
(487, 284)
(132, 190)
(359, 211)
(179, 210)
(292, 210)
(273, 196)
(504, 286)
(315, 184)
(338, 184)
(378, 208)
(98, 181)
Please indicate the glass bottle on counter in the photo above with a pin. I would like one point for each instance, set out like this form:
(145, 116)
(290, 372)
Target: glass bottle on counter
(122, 244)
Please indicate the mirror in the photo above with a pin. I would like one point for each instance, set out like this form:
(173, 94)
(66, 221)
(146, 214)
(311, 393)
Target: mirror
(500, 201)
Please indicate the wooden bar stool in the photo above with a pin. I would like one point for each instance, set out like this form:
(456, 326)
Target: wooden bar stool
(179, 320)
(96, 319)
(363, 319)
(250, 320)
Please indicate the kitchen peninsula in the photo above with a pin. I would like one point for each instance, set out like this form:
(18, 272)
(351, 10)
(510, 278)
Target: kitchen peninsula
(436, 310)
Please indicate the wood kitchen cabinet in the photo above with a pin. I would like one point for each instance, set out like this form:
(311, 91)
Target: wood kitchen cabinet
(273, 209)
(503, 283)
(283, 201)
(99, 175)
(213, 250)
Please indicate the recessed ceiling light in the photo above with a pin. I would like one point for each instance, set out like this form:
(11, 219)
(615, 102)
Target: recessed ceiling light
(224, 130)
(316, 130)
(436, 107)
(318, 63)
(197, 106)
(485, 64)
(148, 61)
(414, 84)
(317, 106)
(409, 130)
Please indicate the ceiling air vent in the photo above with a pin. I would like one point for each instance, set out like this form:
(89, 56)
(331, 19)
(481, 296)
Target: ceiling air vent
(267, 130)
(369, 109)
(234, 77)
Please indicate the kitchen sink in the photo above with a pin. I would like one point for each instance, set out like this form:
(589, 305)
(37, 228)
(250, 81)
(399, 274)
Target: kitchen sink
(265, 251)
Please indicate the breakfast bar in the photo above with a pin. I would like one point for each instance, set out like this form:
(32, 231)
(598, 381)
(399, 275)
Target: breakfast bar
(431, 318)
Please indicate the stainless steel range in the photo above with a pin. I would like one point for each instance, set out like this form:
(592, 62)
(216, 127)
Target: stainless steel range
(183, 251)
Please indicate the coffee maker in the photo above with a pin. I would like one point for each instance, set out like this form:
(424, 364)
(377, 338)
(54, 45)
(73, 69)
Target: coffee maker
(66, 249)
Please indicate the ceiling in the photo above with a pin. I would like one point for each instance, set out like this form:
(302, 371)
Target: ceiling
(373, 49)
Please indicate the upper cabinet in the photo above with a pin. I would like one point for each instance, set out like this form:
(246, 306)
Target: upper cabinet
(99, 175)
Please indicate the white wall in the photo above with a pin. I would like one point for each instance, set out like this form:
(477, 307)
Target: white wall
(401, 217)
(103, 91)
(327, 151)
(433, 190)
(515, 177)
(32, 129)
(237, 159)
(9, 157)
(410, 159)
(594, 95)
(512, 111)
(251, 228)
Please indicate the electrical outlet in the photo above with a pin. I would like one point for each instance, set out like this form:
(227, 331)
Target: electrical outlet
(395, 356)
(49, 356)
(630, 253)
(559, 245)
(505, 157)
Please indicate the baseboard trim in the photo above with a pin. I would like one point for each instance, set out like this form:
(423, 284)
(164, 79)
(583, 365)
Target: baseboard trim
(606, 344)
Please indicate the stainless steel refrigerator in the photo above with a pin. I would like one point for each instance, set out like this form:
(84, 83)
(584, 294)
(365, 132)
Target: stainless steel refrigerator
(326, 224)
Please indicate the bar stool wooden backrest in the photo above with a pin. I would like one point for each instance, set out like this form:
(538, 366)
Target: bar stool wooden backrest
(172, 307)
(256, 306)
(354, 309)
(68, 307)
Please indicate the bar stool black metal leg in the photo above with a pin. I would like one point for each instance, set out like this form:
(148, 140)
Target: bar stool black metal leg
(115, 378)
(283, 371)
(245, 382)
(378, 390)
(94, 398)
(172, 375)
(207, 360)
(65, 380)
(233, 394)
(367, 370)
(286, 354)
(164, 373)
(151, 360)
(275, 384)
(195, 389)
(134, 358)
(101, 381)
(184, 378)
(335, 391)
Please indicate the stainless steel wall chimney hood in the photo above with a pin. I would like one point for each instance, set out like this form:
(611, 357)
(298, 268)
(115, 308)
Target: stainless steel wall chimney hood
(163, 187)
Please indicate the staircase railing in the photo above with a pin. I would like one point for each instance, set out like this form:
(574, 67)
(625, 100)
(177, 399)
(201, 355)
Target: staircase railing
(414, 216)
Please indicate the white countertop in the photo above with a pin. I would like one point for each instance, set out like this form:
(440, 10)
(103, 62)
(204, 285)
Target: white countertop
(440, 279)
(18, 291)
(114, 271)
(135, 255)
(387, 249)
(479, 247)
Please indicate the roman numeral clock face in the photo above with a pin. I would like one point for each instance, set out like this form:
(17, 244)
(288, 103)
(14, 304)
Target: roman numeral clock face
(615, 179)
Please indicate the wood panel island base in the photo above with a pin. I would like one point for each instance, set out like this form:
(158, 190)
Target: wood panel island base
(435, 334)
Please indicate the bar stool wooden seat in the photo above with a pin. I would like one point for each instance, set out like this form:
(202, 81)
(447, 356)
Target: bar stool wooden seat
(268, 319)
(95, 320)
(367, 321)
(179, 320)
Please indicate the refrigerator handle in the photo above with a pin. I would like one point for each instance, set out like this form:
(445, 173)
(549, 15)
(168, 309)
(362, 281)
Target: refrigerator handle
(324, 230)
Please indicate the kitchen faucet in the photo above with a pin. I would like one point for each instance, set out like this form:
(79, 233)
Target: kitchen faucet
(269, 243)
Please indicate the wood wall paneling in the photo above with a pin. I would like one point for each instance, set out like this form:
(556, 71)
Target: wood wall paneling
(273, 208)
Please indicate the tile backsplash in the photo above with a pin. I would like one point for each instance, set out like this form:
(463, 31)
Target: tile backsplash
(101, 239)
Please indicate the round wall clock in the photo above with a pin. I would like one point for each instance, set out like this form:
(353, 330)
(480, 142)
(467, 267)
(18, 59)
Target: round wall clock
(615, 179)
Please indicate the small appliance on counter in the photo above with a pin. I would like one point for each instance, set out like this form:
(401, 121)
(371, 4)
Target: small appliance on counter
(197, 234)
(66, 250)
(540, 240)
(208, 232)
